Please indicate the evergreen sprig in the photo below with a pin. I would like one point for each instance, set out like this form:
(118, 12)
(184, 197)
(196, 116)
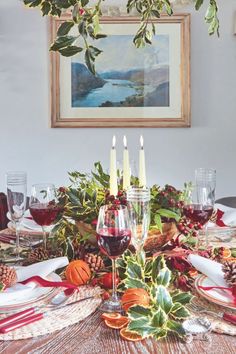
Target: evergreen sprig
(166, 309)
(86, 18)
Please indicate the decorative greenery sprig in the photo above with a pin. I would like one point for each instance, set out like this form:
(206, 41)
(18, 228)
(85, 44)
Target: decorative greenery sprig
(166, 309)
(85, 17)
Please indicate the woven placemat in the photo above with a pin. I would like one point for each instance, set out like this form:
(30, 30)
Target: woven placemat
(60, 318)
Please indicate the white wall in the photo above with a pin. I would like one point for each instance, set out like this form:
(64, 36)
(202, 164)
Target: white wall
(27, 142)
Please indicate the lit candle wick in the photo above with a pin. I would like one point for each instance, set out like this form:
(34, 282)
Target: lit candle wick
(141, 142)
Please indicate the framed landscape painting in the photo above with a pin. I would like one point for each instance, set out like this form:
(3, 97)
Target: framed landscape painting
(145, 87)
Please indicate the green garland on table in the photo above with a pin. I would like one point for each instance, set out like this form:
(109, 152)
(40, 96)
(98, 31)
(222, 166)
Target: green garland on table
(166, 309)
(85, 17)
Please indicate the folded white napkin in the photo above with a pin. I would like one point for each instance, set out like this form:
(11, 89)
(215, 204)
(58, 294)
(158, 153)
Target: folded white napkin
(212, 269)
(20, 292)
(229, 217)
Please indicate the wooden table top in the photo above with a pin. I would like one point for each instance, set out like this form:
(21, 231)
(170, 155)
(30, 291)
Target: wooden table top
(91, 336)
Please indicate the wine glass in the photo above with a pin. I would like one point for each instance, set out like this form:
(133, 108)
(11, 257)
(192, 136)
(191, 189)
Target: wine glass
(113, 237)
(16, 200)
(138, 203)
(199, 206)
(44, 207)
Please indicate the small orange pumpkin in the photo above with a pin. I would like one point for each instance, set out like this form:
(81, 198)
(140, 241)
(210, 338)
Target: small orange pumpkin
(134, 296)
(78, 272)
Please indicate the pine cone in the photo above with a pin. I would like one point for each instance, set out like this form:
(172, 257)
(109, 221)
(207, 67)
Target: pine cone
(229, 269)
(7, 275)
(94, 261)
(38, 255)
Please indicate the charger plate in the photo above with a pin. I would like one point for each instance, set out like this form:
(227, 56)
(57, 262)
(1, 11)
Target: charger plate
(217, 296)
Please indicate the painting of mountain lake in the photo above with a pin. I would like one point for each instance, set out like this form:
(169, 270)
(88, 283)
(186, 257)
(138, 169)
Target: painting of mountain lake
(124, 79)
(133, 87)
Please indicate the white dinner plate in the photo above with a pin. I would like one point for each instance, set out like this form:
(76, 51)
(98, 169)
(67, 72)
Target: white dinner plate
(217, 296)
(26, 295)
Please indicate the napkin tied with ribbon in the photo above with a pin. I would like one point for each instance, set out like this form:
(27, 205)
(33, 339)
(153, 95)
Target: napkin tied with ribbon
(28, 280)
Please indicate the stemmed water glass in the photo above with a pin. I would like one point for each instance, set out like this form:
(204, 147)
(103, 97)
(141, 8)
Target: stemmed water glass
(138, 203)
(44, 207)
(16, 200)
(113, 237)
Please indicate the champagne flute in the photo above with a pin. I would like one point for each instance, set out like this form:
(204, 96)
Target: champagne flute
(44, 207)
(16, 200)
(138, 203)
(113, 237)
(206, 177)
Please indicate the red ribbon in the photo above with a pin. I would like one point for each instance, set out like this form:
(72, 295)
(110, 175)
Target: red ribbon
(49, 284)
(219, 220)
(231, 290)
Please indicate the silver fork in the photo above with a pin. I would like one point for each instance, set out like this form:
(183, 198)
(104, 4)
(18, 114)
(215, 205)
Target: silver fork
(222, 315)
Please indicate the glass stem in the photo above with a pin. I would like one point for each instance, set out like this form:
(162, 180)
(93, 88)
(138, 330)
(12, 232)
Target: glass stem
(44, 238)
(17, 227)
(206, 236)
(114, 293)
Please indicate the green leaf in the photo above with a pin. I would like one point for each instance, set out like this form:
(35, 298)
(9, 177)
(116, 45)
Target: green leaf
(65, 28)
(158, 264)
(163, 277)
(198, 4)
(100, 35)
(163, 299)
(134, 283)
(179, 311)
(33, 3)
(176, 327)
(161, 333)
(89, 62)
(159, 318)
(183, 298)
(69, 51)
(84, 2)
(157, 220)
(168, 214)
(64, 4)
(134, 270)
(46, 7)
(137, 311)
(148, 268)
(62, 42)
(142, 327)
(82, 29)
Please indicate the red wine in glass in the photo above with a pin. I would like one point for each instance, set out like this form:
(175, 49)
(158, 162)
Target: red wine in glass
(113, 242)
(44, 214)
(198, 212)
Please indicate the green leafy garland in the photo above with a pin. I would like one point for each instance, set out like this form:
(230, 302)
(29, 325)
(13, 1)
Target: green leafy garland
(166, 309)
(86, 18)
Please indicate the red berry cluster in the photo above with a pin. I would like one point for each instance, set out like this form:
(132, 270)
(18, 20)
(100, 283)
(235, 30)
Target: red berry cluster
(120, 199)
(186, 227)
(169, 197)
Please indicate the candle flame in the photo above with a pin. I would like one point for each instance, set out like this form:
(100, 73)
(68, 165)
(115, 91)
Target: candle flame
(125, 142)
(113, 142)
(141, 141)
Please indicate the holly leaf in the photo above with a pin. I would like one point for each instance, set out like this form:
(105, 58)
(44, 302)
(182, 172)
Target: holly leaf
(134, 270)
(142, 327)
(176, 327)
(163, 277)
(157, 220)
(137, 311)
(160, 333)
(159, 318)
(163, 299)
(134, 283)
(183, 298)
(198, 4)
(179, 311)
(168, 214)
(157, 265)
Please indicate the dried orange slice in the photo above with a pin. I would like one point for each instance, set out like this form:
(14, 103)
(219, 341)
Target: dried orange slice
(111, 316)
(117, 323)
(226, 253)
(128, 335)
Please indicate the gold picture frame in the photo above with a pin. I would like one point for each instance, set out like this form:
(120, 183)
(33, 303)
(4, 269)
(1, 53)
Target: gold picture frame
(146, 88)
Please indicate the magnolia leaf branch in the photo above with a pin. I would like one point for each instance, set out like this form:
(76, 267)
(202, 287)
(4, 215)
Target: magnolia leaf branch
(86, 19)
